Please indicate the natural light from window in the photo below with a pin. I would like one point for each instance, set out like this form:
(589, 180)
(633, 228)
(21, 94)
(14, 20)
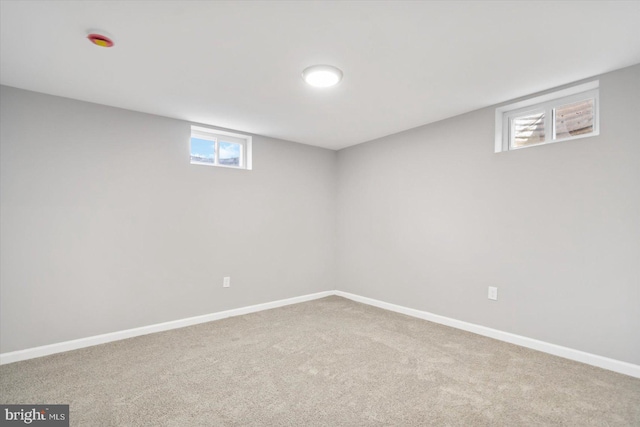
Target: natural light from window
(212, 147)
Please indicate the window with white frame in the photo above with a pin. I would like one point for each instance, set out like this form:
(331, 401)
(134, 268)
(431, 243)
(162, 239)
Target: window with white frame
(563, 115)
(213, 147)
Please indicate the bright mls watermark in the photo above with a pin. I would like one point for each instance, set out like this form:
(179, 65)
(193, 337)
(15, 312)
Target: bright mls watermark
(36, 415)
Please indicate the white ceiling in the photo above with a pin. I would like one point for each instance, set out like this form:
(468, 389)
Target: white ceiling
(237, 64)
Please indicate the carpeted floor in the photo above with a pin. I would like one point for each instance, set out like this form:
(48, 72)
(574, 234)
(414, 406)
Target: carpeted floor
(328, 362)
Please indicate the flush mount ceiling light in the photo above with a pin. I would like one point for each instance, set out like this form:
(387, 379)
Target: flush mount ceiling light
(100, 39)
(322, 75)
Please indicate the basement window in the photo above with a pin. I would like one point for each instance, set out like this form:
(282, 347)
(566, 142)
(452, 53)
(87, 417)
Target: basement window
(211, 147)
(563, 115)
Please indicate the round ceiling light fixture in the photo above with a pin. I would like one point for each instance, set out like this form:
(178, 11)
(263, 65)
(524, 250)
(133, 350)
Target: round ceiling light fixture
(100, 39)
(322, 75)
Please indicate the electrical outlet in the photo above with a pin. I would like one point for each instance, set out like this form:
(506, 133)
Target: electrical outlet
(493, 293)
(226, 282)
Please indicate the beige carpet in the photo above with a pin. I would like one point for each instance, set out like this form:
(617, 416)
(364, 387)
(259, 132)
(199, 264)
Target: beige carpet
(329, 362)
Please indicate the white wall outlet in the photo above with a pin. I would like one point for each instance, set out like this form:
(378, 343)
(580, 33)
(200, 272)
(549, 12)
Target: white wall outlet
(226, 282)
(493, 293)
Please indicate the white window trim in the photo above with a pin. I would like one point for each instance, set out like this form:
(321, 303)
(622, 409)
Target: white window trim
(546, 102)
(211, 134)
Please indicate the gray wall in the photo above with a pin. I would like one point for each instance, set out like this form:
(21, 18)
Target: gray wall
(106, 226)
(429, 218)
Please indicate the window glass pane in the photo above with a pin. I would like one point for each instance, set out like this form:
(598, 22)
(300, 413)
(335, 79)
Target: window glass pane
(202, 150)
(527, 130)
(229, 153)
(574, 119)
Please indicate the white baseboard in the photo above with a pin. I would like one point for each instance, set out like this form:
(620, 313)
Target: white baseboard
(45, 350)
(568, 353)
(557, 350)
